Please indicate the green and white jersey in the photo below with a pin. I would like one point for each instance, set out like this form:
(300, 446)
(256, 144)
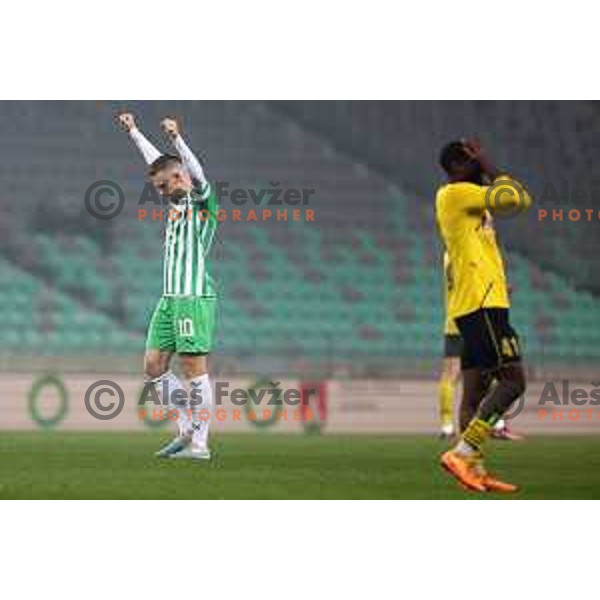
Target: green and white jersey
(190, 232)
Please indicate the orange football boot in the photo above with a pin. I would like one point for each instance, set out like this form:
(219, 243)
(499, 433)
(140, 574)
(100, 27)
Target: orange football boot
(489, 481)
(461, 468)
(496, 485)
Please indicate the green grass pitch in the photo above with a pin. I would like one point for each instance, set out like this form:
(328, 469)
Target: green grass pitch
(270, 466)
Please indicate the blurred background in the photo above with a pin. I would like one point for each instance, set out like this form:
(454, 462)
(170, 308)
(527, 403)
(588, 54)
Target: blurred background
(356, 295)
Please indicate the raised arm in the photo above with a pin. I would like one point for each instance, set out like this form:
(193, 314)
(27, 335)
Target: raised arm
(503, 194)
(147, 150)
(191, 163)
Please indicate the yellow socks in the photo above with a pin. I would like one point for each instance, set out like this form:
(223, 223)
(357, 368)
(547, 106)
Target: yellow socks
(473, 437)
(446, 402)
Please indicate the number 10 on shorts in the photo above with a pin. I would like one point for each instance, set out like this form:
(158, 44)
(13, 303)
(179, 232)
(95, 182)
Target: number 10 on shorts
(186, 327)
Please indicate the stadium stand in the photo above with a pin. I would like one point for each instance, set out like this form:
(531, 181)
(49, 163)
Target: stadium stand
(362, 283)
(43, 321)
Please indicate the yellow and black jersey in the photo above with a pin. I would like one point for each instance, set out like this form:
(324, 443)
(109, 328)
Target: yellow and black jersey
(477, 268)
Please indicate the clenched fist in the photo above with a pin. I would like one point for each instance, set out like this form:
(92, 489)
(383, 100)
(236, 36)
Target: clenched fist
(170, 127)
(127, 121)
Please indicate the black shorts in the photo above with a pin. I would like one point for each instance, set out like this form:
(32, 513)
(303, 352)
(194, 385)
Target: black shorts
(489, 341)
(452, 345)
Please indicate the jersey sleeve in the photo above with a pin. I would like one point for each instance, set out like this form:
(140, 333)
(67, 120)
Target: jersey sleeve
(191, 163)
(504, 194)
(146, 148)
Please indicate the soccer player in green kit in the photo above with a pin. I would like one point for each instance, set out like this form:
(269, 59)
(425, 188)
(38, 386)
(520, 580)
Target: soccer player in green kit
(183, 322)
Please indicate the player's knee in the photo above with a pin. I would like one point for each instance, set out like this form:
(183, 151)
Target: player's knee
(513, 378)
(450, 370)
(521, 385)
(154, 365)
(192, 365)
(455, 373)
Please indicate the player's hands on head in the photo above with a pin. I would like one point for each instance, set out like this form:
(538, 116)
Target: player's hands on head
(170, 127)
(476, 151)
(473, 147)
(127, 121)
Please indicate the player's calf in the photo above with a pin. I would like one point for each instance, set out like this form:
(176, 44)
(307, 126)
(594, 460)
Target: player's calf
(194, 369)
(510, 385)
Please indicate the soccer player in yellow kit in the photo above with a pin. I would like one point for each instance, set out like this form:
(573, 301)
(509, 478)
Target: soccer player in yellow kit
(450, 374)
(479, 303)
